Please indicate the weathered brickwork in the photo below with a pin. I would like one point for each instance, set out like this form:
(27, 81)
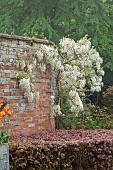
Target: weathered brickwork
(27, 117)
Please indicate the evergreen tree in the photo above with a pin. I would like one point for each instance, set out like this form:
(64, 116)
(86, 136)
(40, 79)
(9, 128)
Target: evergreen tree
(54, 19)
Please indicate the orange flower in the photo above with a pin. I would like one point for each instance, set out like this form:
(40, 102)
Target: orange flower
(9, 113)
(2, 114)
(6, 109)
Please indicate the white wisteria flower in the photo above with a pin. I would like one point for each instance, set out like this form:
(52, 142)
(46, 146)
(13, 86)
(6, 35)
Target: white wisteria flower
(42, 67)
(56, 110)
(27, 88)
(79, 67)
(22, 64)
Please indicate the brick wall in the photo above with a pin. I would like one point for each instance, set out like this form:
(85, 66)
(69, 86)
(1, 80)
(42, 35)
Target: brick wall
(27, 117)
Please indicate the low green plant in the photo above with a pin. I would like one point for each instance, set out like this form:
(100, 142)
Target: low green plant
(92, 118)
(4, 137)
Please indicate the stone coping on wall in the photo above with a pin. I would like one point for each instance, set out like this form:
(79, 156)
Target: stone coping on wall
(22, 38)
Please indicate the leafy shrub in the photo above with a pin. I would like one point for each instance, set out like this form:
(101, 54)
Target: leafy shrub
(92, 118)
(4, 136)
(71, 150)
(108, 99)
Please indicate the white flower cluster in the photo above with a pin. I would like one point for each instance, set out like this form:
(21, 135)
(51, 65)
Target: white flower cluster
(28, 89)
(49, 54)
(29, 66)
(75, 102)
(57, 111)
(24, 78)
(80, 68)
(84, 62)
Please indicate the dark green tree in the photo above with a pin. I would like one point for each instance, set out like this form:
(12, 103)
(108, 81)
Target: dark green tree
(53, 19)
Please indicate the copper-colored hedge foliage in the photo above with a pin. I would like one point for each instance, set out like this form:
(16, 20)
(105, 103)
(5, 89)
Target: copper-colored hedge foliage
(63, 150)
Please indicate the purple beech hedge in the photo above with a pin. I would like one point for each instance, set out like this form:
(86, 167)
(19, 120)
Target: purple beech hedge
(62, 150)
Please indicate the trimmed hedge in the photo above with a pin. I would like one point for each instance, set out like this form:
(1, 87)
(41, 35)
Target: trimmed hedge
(63, 150)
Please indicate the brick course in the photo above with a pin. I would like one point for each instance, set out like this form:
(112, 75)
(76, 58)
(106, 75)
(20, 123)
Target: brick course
(27, 117)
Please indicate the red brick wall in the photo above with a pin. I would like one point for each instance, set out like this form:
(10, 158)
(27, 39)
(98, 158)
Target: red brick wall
(27, 117)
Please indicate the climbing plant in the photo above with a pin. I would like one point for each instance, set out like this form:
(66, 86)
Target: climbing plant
(78, 69)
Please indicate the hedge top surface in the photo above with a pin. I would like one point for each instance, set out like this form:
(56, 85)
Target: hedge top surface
(76, 136)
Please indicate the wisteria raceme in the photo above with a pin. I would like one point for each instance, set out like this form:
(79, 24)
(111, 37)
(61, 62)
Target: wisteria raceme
(80, 68)
(24, 80)
(26, 87)
(56, 110)
(22, 64)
